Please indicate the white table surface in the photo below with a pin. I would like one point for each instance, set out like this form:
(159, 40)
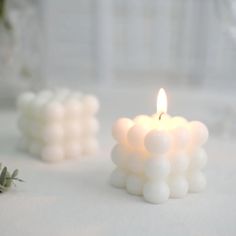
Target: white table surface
(74, 198)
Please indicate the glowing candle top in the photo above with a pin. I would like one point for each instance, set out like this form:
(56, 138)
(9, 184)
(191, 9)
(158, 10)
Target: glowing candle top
(161, 102)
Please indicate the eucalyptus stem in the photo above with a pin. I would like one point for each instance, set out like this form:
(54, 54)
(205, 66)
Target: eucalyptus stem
(7, 179)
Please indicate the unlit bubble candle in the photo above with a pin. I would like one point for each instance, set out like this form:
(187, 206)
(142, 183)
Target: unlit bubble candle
(159, 156)
(58, 124)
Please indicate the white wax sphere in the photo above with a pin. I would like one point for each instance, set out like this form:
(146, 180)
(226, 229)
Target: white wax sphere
(178, 186)
(91, 125)
(72, 150)
(36, 107)
(198, 159)
(136, 163)
(197, 181)
(73, 108)
(53, 111)
(35, 129)
(199, 133)
(157, 141)
(134, 184)
(118, 178)
(179, 162)
(72, 129)
(120, 129)
(90, 146)
(143, 120)
(24, 100)
(157, 168)
(52, 154)
(119, 156)
(178, 121)
(162, 125)
(156, 192)
(91, 104)
(52, 133)
(136, 135)
(181, 137)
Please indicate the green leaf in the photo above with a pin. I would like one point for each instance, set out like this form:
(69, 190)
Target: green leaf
(20, 180)
(14, 174)
(7, 179)
(8, 183)
(3, 175)
(2, 189)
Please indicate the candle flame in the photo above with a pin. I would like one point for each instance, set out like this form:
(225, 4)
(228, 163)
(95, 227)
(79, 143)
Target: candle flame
(161, 102)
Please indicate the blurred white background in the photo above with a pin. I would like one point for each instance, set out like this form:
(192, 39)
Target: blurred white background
(186, 46)
(140, 42)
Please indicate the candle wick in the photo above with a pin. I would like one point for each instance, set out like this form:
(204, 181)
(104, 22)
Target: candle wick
(161, 115)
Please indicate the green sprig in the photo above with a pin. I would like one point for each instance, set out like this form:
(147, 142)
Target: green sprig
(7, 179)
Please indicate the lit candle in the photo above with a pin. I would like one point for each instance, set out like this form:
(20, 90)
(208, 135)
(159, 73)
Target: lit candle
(159, 156)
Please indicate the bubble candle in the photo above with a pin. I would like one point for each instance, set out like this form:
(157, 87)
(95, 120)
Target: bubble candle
(58, 124)
(159, 156)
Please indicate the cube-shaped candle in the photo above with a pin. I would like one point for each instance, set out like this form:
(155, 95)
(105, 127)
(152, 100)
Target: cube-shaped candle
(58, 124)
(159, 156)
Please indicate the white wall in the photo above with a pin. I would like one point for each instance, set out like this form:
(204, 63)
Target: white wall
(128, 42)
(143, 41)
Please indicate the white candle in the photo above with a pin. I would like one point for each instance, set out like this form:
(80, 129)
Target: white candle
(58, 124)
(159, 156)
